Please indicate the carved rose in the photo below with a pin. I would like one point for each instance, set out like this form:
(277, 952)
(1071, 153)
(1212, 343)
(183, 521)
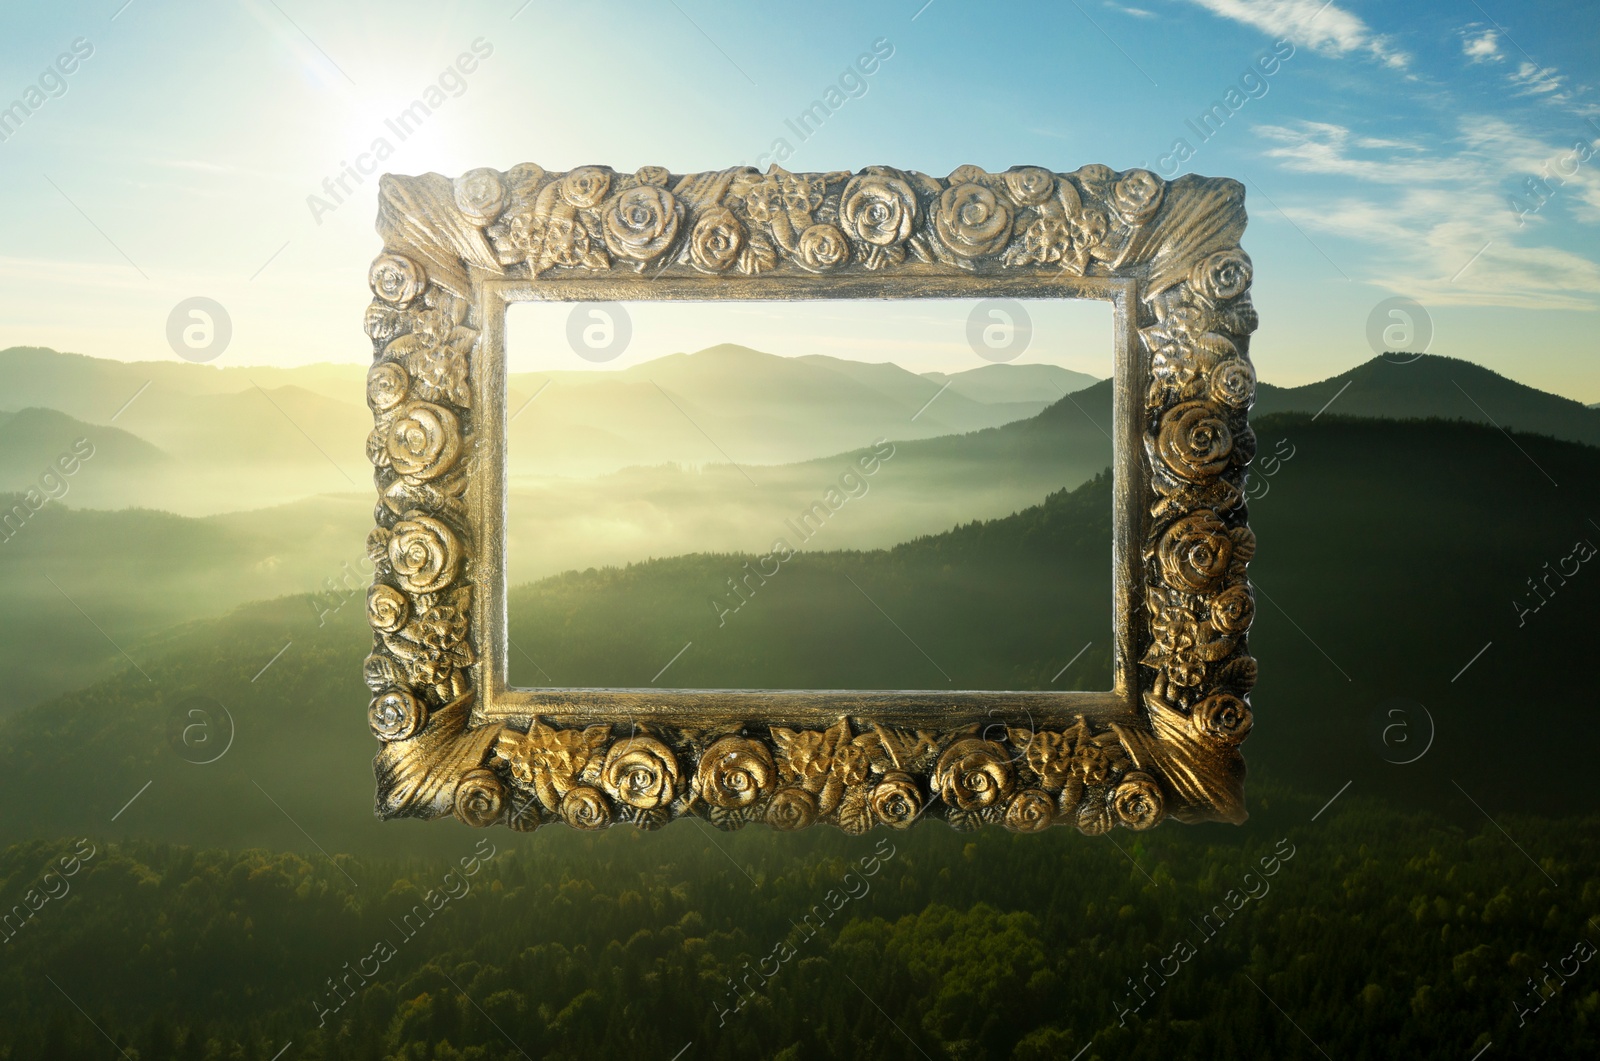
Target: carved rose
(1029, 185)
(1232, 382)
(480, 196)
(1137, 801)
(972, 221)
(1030, 811)
(791, 808)
(1194, 440)
(424, 553)
(656, 175)
(1195, 552)
(1137, 196)
(641, 772)
(585, 807)
(585, 186)
(396, 279)
(1221, 276)
(735, 772)
(896, 800)
(973, 773)
(387, 608)
(642, 222)
(480, 797)
(424, 440)
(878, 209)
(716, 240)
(1232, 609)
(1223, 717)
(396, 714)
(387, 383)
(822, 247)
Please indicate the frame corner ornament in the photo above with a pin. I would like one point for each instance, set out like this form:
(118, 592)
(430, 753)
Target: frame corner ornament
(1164, 743)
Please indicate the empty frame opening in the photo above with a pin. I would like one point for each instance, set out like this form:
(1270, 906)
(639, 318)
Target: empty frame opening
(874, 494)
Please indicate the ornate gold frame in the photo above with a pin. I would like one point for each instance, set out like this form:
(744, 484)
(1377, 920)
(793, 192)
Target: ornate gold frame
(1164, 741)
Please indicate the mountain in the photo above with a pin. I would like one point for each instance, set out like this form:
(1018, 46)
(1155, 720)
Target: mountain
(34, 442)
(731, 403)
(1014, 383)
(1366, 521)
(1442, 387)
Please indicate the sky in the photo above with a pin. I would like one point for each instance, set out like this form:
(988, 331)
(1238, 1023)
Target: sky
(1436, 151)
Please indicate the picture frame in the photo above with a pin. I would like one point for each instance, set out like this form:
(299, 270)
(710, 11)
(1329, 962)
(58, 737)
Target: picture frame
(1162, 743)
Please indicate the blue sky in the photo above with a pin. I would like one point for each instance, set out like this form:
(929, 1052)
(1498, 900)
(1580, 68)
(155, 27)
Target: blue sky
(1379, 158)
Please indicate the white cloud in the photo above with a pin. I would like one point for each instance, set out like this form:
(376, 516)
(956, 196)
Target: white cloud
(1428, 213)
(1136, 12)
(1534, 80)
(1324, 27)
(1481, 47)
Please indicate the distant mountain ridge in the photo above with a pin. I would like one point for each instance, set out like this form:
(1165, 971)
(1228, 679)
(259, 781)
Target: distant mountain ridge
(1433, 386)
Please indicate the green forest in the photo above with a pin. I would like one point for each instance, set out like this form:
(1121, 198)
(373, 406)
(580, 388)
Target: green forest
(1379, 902)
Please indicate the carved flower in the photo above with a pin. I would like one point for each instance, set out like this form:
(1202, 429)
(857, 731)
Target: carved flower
(378, 547)
(896, 800)
(424, 553)
(396, 714)
(1194, 440)
(432, 647)
(1029, 185)
(396, 279)
(1195, 552)
(1050, 756)
(656, 175)
(716, 240)
(973, 773)
(1232, 382)
(642, 222)
(735, 772)
(823, 246)
(641, 772)
(550, 759)
(384, 322)
(1030, 811)
(585, 186)
(435, 353)
(1232, 609)
(480, 196)
(1137, 196)
(387, 608)
(480, 797)
(1221, 276)
(424, 440)
(791, 808)
(1096, 760)
(1223, 717)
(972, 221)
(585, 807)
(878, 209)
(1137, 801)
(387, 383)
(379, 672)
(1095, 817)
